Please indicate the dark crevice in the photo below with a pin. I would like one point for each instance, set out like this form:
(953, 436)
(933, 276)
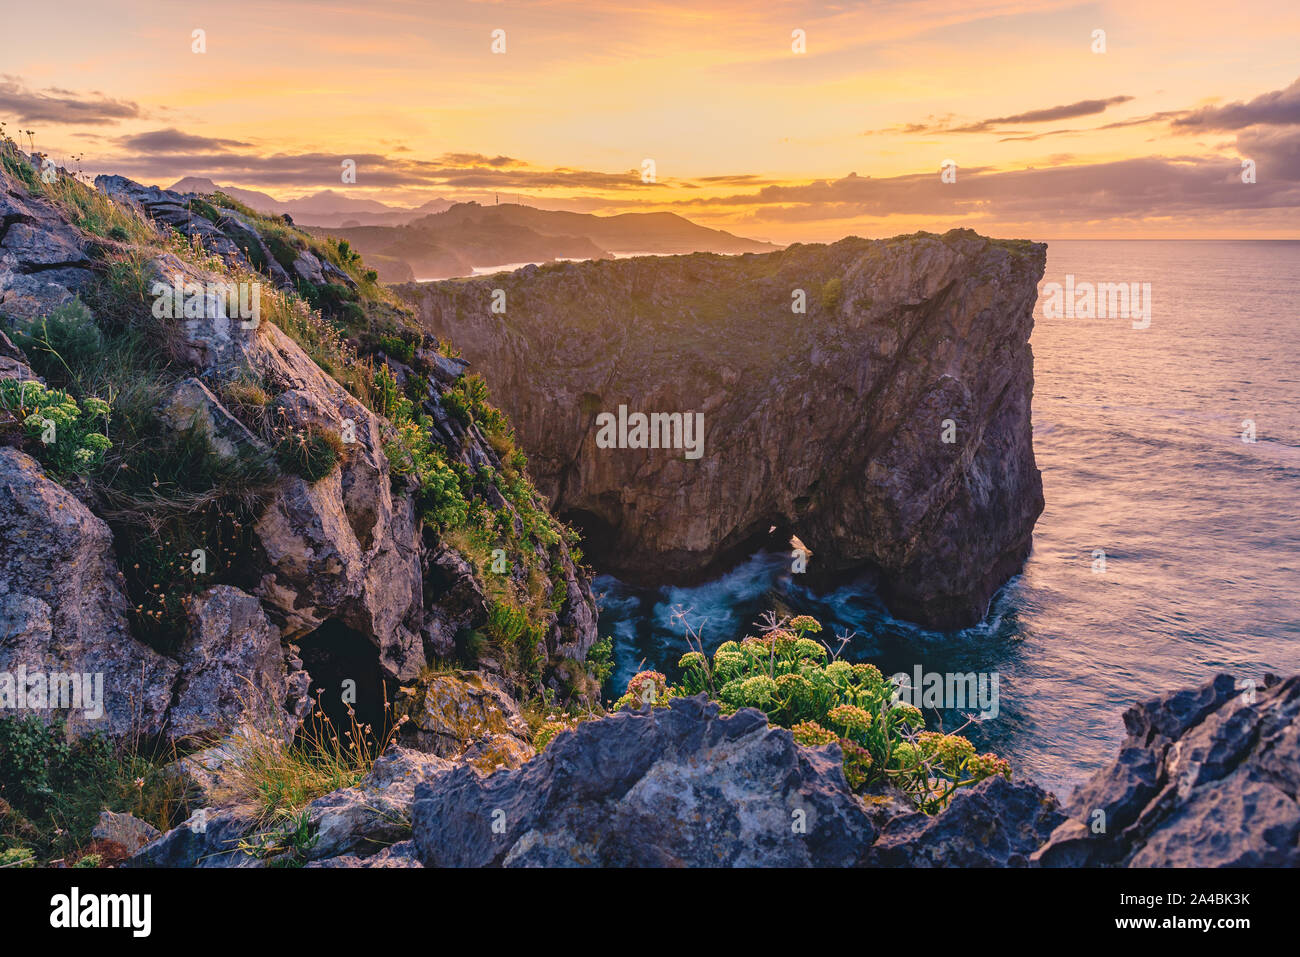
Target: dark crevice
(345, 674)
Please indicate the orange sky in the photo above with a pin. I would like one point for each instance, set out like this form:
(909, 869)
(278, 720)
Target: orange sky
(746, 134)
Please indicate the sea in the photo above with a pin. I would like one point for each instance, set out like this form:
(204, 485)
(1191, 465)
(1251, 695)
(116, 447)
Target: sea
(1169, 548)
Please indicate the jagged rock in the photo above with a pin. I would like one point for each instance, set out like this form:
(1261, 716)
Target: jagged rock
(44, 259)
(233, 669)
(1206, 778)
(453, 600)
(996, 823)
(402, 854)
(674, 786)
(13, 363)
(206, 774)
(308, 267)
(207, 839)
(362, 820)
(342, 547)
(355, 822)
(63, 607)
(448, 713)
(172, 209)
(127, 833)
(828, 424)
(192, 405)
(342, 554)
(29, 297)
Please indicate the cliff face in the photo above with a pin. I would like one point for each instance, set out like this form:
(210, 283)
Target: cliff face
(888, 425)
(310, 510)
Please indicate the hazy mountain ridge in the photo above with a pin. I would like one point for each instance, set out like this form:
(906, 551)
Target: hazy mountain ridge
(442, 239)
(327, 207)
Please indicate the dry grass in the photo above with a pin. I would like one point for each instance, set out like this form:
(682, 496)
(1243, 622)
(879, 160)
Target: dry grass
(276, 775)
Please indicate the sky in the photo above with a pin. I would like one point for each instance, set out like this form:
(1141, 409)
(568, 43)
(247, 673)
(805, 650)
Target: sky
(1045, 135)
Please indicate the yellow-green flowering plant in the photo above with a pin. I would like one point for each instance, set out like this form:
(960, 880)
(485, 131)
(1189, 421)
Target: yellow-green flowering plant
(64, 435)
(801, 685)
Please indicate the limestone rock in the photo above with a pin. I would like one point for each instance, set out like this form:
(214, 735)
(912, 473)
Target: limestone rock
(828, 424)
(44, 259)
(1206, 778)
(63, 607)
(362, 820)
(679, 786)
(233, 669)
(446, 714)
(192, 405)
(124, 831)
(996, 823)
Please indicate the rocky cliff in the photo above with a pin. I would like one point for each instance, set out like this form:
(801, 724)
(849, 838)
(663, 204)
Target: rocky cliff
(872, 397)
(1207, 778)
(219, 512)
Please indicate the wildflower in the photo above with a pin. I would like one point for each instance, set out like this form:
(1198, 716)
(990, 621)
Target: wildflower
(692, 659)
(807, 648)
(802, 624)
(907, 714)
(812, 735)
(853, 719)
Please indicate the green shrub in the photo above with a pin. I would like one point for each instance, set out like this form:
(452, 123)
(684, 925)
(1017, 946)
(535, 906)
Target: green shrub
(600, 659)
(790, 677)
(831, 293)
(398, 348)
(412, 453)
(52, 789)
(64, 435)
(68, 334)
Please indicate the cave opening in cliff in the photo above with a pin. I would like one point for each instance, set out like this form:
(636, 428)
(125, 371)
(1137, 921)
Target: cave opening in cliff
(598, 535)
(345, 672)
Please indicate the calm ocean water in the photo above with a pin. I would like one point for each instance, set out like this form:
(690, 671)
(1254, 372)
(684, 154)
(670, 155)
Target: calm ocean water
(1139, 438)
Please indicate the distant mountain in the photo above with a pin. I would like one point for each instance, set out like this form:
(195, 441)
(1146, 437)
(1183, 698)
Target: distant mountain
(258, 201)
(659, 233)
(325, 208)
(469, 236)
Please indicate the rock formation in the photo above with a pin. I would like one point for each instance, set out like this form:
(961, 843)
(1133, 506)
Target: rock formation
(339, 571)
(1206, 778)
(63, 609)
(887, 424)
(671, 787)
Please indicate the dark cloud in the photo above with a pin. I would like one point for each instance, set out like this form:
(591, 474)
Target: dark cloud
(1049, 114)
(163, 141)
(1066, 112)
(1122, 190)
(478, 159)
(1276, 153)
(162, 155)
(54, 105)
(1278, 108)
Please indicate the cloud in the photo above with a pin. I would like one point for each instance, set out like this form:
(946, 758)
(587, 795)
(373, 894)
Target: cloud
(54, 105)
(1052, 113)
(175, 141)
(1277, 108)
(478, 159)
(171, 154)
(1276, 153)
(1121, 190)
(1048, 114)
